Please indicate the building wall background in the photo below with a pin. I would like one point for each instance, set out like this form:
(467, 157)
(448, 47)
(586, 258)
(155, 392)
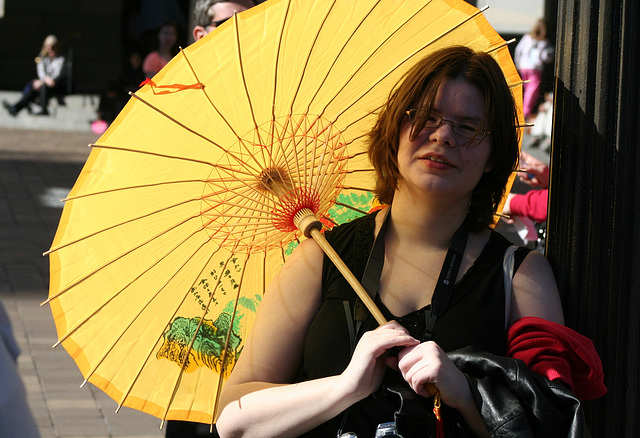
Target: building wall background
(96, 34)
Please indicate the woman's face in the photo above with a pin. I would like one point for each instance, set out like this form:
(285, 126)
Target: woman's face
(167, 37)
(439, 160)
(50, 50)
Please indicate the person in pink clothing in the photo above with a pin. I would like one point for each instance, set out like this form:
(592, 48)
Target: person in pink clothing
(532, 52)
(532, 204)
(167, 49)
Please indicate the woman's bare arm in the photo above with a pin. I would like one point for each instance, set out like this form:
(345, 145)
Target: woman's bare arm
(535, 292)
(259, 399)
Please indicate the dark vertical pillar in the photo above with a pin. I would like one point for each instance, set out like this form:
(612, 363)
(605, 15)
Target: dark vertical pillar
(594, 205)
(551, 17)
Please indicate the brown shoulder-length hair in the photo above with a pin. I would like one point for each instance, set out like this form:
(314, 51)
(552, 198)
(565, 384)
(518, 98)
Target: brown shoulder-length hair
(418, 89)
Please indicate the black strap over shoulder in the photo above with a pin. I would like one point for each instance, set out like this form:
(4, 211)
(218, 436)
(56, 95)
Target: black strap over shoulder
(375, 262)
(446, 280)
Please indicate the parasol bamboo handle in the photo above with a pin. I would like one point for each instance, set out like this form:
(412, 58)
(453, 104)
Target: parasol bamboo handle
(348, 275)
(310, 226)
(364, 296)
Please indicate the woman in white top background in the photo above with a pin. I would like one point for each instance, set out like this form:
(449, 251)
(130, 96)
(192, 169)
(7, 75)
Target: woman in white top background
(51, 72)
(532, 53)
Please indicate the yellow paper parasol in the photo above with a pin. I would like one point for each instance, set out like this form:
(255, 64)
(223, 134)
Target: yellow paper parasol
(190, 201)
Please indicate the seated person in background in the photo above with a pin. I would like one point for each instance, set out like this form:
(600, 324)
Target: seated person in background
(132, 75)
(50, 66)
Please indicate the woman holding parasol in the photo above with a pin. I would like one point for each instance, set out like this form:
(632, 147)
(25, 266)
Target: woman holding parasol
(443, 148)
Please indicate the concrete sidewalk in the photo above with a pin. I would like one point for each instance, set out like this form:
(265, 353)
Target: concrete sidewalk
(37, 169)
(76, 115)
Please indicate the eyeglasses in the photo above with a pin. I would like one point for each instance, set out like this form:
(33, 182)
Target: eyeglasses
(468, 130)
(218, 22)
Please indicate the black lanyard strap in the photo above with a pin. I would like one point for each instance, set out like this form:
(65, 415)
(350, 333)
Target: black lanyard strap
(446, 281)
(449, 272)
(375, 262)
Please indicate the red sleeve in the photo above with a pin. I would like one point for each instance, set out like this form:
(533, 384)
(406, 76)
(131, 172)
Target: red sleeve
(532, 204)
(558, 353)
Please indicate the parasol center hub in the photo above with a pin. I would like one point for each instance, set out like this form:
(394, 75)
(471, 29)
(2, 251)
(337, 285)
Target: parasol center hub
(306, 221)
(275, 180)
(294, 207)
(274, 171)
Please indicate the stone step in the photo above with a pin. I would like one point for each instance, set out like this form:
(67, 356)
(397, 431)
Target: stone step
(76, 115)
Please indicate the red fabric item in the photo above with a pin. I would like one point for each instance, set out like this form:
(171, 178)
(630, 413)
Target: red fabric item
(558, 353)
(171, 88)
(532, 204)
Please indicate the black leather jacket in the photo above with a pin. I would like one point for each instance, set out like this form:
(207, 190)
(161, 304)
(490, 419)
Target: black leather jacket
(515, 402)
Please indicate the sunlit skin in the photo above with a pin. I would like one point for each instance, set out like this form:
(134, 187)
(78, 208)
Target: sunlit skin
(438, 161)
(439, 170)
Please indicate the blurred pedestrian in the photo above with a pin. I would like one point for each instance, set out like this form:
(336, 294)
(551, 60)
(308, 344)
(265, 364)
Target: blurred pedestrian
(16, 419)
(51, 80)
(541, 130)
(115, 97)
(537, 171)
(132, 75)
(533, 204)
(167, 48)
(532, 52)
(150, 13)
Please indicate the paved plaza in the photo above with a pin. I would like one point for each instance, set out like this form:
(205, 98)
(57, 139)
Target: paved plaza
(38, 166)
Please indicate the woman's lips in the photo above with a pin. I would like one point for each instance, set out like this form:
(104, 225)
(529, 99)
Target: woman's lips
(437, 162)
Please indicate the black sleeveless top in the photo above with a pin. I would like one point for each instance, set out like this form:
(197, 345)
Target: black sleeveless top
(475, 316)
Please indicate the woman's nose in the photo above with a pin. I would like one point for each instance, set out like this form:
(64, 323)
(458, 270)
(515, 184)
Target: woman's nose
(444, 134)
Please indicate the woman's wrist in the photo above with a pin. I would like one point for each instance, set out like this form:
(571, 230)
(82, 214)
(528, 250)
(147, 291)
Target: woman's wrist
(346, 388)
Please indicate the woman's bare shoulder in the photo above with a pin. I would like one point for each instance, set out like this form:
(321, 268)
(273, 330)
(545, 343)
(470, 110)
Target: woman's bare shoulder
(535, 292)
(288, 306)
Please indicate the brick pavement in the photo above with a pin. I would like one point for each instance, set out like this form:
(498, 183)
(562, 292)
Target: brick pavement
(37, 168)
